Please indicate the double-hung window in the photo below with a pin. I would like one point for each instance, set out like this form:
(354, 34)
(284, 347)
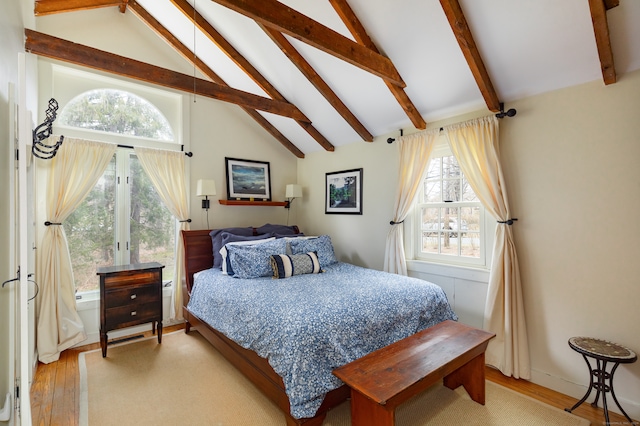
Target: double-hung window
(449, 217)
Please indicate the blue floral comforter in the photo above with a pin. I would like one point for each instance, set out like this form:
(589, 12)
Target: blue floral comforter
(308, 325)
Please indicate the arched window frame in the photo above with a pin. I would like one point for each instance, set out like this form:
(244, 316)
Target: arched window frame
(69, 83)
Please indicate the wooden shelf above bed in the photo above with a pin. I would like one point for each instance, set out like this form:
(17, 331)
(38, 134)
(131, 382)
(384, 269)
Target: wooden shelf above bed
(252, 203)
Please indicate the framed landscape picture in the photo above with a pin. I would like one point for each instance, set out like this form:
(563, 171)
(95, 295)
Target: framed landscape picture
(248, 180)
(344, 192)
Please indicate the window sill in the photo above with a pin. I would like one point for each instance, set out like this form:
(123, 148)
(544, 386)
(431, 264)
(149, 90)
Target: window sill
(454, 271)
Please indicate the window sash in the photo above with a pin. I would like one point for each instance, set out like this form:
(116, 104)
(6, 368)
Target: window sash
(457, 258)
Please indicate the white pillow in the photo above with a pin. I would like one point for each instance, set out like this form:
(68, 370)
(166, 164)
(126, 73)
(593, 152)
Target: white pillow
(223, 250)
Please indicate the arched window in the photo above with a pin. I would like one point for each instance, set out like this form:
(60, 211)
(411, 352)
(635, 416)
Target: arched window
(116, 111)
(122, 220)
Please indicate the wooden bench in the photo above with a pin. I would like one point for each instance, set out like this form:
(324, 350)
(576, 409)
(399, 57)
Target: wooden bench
(384, 379)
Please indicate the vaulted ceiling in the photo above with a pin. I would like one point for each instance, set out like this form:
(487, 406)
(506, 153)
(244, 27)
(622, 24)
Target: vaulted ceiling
(323, 73)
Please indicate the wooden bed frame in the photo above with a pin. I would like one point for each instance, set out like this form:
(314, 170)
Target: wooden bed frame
(198, 256)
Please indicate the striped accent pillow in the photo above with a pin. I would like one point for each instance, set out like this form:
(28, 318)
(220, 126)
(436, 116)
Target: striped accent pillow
(285, 265)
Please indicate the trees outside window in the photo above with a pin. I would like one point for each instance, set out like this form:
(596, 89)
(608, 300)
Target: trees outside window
(116, 111)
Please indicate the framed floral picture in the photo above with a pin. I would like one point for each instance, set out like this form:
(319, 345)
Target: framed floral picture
(344, 192)
(248, 179)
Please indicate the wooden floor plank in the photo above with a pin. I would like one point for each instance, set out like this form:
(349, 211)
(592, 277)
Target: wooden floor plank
(49, 371)
(59, 408)
(72, 390)
(42, 394)
(54, 384)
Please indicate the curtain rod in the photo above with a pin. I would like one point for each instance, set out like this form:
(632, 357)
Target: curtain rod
(502, 114)
(188, 154)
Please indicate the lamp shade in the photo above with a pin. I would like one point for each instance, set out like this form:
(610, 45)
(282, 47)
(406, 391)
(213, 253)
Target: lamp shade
(206, 187)
(293, 191)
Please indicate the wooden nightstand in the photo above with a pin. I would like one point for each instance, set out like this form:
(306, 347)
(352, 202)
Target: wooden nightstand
(130, 295)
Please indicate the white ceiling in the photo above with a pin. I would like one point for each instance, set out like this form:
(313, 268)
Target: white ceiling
(528, 47)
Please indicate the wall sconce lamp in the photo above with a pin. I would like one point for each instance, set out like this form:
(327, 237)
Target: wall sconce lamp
(293, 191)
(205, 188)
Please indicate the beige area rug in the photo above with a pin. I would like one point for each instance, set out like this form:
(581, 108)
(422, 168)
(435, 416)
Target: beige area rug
(185, 381)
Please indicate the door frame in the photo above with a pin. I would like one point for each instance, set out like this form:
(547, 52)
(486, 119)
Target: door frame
(8, 401)
(23, 364)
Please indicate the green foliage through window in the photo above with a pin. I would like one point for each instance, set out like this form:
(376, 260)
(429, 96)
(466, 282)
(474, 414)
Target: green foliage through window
(95, 238)
(116, 111)
(90, 230)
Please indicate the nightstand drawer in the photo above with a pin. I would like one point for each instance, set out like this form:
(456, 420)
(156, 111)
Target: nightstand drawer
(131, 295)
(124, 316)
(131, 278)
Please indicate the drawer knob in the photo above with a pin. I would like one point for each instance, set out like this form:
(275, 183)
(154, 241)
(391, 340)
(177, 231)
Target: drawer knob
(134, 313)
(133, 296)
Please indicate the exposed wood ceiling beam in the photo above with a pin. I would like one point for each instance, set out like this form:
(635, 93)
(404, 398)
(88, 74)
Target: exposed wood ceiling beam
(67, 51)
(245, 65)
(57, 6)
(280, 17)
(49, 7)
(603, 42)
(305, 68)
(183, 50)
(360, 34)
(610, 4)
(461, 30)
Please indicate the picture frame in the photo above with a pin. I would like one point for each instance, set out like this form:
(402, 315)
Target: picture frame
(248, 179)
(343, 192)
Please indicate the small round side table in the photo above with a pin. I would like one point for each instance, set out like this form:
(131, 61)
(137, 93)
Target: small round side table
(602, 351)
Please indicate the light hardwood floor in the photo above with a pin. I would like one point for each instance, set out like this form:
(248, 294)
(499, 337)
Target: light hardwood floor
(55, 392)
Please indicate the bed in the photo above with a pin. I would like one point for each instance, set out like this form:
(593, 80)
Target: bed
(243, 318)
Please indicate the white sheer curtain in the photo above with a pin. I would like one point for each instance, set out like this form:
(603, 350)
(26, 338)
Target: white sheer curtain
(475, 146)
(415, 150)
(73, 172)
(167, 173)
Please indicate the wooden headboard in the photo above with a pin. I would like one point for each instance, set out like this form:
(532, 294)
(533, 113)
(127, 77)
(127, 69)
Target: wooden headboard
(198, 256)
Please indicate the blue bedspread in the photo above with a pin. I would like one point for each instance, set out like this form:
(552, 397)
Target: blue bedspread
(308, 325)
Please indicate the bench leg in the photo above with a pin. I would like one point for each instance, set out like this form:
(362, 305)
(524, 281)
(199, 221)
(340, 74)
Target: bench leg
(471, 376)
(365, 412)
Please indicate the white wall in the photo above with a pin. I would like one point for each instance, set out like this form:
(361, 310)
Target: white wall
(220, 131)
(466, 288)
(358, 239)
(570, 161)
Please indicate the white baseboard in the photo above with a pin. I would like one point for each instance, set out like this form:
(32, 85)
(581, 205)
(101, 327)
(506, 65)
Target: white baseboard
(577, 391)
